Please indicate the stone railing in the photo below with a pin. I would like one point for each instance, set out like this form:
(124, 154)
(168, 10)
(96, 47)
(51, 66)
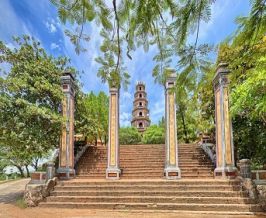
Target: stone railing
(208, 149)
(253, 182)
(259, 176)
(80, 153)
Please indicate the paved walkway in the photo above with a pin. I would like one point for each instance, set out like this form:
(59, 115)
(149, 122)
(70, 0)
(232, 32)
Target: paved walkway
(11, 191)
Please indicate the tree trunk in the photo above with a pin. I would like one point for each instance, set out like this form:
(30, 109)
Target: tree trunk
(27, 169)
(184, 126)
(20, 171)
(95, 141)
(105, 140)
(35, 164)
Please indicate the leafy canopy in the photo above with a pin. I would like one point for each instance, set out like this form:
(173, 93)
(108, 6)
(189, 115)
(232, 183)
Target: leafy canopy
(30, 97)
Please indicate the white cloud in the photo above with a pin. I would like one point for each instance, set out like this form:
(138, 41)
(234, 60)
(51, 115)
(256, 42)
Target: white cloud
(125, 119)
(54, 46)
(10, 45)
(157, 108)
(51, 27)
(10, 23)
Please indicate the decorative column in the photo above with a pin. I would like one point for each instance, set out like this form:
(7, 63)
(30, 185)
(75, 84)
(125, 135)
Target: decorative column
(66, 152)
(113, 171)
(225, 164)
(171, 170)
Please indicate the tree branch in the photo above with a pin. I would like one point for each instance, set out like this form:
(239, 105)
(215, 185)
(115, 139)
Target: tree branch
(118, 36)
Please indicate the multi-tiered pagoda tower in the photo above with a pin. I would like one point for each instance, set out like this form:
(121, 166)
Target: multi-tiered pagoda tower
(140, 111)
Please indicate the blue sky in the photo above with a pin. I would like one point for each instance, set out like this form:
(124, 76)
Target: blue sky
(39, 19)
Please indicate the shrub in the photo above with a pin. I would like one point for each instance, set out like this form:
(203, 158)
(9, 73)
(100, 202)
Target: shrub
(129, 136)
(154, 135)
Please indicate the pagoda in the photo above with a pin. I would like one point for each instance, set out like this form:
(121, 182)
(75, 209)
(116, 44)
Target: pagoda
(140, 113)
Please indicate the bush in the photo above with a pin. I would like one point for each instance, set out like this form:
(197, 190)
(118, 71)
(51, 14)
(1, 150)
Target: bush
(154, 135)
(129, 136)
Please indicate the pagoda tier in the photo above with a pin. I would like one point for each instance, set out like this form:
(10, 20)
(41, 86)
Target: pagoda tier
(140, 112)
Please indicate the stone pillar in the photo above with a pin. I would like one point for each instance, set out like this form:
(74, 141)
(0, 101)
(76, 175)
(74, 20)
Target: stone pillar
(66, 152)
(225, 164)
(113, 171)
(50, 170)
(171, 170)
(245, 168)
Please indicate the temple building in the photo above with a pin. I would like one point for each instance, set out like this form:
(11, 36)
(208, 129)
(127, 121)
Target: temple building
(140, 113)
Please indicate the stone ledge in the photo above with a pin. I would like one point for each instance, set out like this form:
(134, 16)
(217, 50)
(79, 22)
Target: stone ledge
(258, 174)
(35, 193)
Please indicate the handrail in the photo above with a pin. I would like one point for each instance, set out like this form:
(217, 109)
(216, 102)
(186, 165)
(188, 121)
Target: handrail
(207, 149)
(80, 153)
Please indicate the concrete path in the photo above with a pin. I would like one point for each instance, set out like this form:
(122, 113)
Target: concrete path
(11, 191)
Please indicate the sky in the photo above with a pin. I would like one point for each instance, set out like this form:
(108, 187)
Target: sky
(39, 18)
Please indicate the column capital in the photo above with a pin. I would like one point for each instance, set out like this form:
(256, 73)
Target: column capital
(68, 82)
(171, 79)
(221, 76)
(113, 89)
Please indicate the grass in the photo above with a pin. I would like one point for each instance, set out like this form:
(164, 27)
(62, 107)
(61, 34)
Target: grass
(21, 203)
(10, 180)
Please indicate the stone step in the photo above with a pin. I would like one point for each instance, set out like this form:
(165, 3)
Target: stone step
(150, 187)
(152, 199)
(159, 193)
(157, 206)
(152, 182)
(149, 166)
(152, 165)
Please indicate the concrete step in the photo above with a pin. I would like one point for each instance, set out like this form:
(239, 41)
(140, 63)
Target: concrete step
(111, 183)
(152, 199)
(150, 187)
(157, 206)
(151, 193)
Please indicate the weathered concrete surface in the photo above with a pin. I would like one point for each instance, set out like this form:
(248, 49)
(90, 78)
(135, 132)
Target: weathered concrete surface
(11, 191)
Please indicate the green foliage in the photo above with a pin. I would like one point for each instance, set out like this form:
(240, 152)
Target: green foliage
(30, 96)
(249, 139)
(91, 116)
(249, 96)
(245, 53)
(111, 71)
(154, 135)
(129, 136)
(130, 24)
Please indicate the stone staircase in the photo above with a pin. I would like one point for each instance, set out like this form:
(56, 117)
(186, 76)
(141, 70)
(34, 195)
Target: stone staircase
(203, 196)
(143, 188)
(145, 161)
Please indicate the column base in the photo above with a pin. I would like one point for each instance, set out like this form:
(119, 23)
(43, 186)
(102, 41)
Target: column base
(65, 173)
(113, 173)
(225, 173)
(172, 173)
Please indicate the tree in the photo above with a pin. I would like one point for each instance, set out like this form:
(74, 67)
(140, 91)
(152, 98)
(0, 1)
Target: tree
(154, 135)
(30, 97)
(161, 122)
(129, 24)
(245, 53)
(129, 136)
(91, 116)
